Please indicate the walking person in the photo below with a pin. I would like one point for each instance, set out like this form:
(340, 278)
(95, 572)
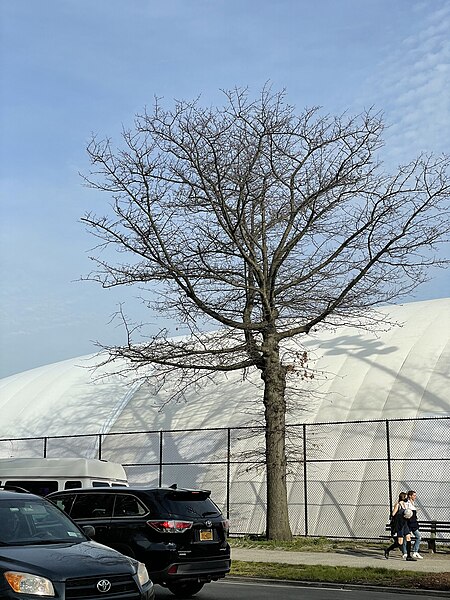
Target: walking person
(413, 525)
(400, 527)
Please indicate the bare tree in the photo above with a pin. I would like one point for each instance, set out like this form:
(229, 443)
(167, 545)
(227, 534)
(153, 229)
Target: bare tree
(268, 224)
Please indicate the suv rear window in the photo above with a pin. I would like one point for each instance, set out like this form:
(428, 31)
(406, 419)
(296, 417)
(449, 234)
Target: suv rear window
(189, 504)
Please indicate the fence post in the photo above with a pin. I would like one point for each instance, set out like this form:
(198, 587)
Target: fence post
(432, 540)
(160, 457)
(305, 483)
(388, 455)
(228, 470)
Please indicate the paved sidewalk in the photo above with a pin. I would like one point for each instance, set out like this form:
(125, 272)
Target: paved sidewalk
(364, 557)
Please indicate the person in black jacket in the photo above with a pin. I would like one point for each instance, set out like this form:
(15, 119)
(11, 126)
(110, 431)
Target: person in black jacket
(400, 527)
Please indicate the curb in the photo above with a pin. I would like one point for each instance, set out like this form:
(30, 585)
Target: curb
(343, 586)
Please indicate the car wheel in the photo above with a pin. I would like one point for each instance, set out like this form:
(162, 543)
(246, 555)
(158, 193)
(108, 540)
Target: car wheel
(185, 589)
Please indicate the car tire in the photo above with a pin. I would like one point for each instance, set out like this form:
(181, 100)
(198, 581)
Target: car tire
(185, 589)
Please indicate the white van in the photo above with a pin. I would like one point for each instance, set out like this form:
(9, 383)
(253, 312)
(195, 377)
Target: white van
(44, 475)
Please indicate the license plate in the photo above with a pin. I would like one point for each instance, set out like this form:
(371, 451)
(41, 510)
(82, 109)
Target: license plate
(206, 535)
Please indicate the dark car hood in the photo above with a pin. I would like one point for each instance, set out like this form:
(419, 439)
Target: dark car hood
(63, 561)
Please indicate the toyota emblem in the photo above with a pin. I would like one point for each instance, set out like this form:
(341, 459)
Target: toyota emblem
(208, 524)
(104, 585)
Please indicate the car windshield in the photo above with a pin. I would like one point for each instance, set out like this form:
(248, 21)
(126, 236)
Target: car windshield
(33, 521)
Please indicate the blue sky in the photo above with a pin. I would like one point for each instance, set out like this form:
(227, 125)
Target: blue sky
(69, 68)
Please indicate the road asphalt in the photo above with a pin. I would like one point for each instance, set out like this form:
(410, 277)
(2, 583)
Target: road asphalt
(363, 557)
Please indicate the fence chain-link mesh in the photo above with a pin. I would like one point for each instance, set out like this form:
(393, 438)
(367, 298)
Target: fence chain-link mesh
(342, 477)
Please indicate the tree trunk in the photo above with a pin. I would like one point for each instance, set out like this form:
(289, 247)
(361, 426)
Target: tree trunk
(274, 377)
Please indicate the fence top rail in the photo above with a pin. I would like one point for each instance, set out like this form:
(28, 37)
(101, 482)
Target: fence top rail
(234, 428)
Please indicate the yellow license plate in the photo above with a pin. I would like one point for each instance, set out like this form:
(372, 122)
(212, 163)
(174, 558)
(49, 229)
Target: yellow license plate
(206, 535)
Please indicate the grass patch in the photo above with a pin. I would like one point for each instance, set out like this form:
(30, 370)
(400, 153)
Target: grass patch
(314, 544)
(303, 544)
(332, 574)
(382, 577)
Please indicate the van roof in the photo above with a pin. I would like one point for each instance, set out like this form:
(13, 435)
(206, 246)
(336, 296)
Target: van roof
(24, 468)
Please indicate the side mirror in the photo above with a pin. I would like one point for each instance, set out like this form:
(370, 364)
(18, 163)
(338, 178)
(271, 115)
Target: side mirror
(89, 530)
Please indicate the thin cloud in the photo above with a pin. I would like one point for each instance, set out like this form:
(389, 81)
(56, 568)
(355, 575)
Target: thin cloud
(413, 87)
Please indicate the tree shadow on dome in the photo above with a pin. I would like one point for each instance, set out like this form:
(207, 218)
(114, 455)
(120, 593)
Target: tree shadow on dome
(413, 392)
(356, 345)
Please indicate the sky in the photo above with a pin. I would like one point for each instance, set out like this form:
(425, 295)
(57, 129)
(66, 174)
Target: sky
(73, 68)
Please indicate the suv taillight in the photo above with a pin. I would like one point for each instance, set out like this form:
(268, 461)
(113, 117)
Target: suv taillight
(226, 526)
(170, 526)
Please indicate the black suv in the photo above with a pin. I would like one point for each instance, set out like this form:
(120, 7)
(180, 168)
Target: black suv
(45, 554)
(180, 534)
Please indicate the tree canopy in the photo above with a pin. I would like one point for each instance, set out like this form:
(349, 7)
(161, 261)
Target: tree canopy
(267, 223)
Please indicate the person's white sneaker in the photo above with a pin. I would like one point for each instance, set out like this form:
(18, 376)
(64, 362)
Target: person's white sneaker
(404, 556)
(417, 555)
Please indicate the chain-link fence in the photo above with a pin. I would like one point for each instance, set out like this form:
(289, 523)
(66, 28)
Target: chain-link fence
(342, 477)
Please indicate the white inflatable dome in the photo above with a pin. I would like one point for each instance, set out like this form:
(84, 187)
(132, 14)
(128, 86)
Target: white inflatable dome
(402, 372)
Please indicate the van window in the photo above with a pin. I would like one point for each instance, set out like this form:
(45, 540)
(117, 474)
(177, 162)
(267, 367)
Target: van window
(41, 488)
(100, 484)
(128, 506)
(92, 506)
(69, 485)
